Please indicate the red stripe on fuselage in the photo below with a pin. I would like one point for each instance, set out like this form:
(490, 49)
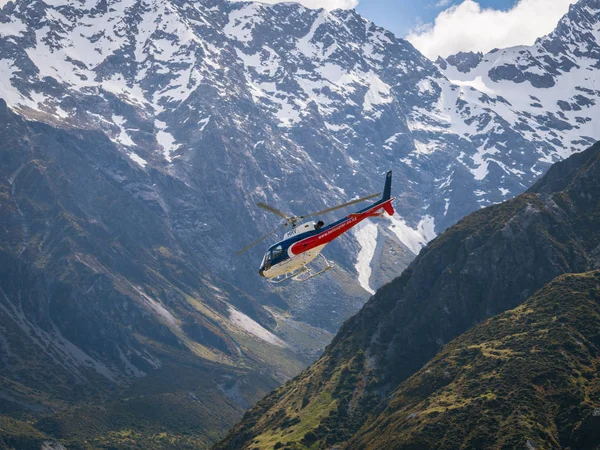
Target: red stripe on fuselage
(336, 231)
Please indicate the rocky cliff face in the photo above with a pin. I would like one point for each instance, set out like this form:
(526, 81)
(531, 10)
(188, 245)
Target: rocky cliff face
(101, 301)
(490, 262)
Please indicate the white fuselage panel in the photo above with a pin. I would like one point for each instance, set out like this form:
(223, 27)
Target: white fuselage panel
(294, 263)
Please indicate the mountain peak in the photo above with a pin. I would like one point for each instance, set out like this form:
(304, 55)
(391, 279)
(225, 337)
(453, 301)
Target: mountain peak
(463, 61)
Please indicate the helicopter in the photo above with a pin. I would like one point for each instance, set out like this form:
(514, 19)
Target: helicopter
(290, 258)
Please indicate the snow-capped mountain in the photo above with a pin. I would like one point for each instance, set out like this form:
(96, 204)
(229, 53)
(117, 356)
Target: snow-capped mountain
(195, 110)
(293, 106)
(547, 92)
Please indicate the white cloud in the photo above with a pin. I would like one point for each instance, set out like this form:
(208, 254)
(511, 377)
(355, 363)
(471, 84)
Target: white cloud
(469, 27)
(3, 2)
(317, 4)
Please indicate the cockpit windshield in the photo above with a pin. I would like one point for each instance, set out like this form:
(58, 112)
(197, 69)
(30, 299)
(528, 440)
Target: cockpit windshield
(272, 254)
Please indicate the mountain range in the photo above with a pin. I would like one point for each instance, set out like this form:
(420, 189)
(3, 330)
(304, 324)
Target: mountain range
(137, 136)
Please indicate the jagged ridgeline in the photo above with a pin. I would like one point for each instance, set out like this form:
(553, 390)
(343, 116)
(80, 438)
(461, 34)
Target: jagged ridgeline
(490, 262)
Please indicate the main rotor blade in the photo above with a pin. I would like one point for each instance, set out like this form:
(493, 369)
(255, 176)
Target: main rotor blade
(262, 239)
(353, 202)
(271, 209)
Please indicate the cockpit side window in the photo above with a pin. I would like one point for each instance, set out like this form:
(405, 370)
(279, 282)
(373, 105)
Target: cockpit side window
(266, 259)
(277, 252)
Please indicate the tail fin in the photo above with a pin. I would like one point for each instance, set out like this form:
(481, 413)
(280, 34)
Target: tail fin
(387, 190)
(387, 195)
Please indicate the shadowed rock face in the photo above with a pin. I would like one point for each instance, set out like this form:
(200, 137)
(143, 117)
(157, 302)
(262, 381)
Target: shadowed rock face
(101, 300)
(490, 262)
(463, 61)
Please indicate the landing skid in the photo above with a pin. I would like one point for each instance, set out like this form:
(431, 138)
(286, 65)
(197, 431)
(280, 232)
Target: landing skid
(303, 274)
(308, 273)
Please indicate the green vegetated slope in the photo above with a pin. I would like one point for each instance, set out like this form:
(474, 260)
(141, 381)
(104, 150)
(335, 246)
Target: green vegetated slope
(526, 378)
(490, 262)
(112, 333)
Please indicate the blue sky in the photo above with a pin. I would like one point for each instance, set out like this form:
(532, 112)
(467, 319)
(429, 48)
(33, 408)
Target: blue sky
(400, 16)
(444, 27)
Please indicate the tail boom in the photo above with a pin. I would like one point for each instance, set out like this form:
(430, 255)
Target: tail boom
(338, 228)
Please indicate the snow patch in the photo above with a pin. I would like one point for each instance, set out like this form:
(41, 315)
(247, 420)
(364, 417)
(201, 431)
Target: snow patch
(477, 83)
(7, 71)
(165, 140)
(425, 86)
(378, 93)
(414, 239)
(203, 124)
(157, 308)
(123, 138)
(393, 139)
(366, 235)
(12, 28)
(246, 323)
(427, 228)
(137, 159)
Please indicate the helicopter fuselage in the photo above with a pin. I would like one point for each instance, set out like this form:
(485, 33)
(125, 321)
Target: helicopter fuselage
(302, 247)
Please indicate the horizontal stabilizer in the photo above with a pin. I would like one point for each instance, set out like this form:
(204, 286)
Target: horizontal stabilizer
(389, 208)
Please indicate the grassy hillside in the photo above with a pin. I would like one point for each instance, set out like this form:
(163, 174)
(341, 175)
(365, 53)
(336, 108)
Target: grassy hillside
(526, 378)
